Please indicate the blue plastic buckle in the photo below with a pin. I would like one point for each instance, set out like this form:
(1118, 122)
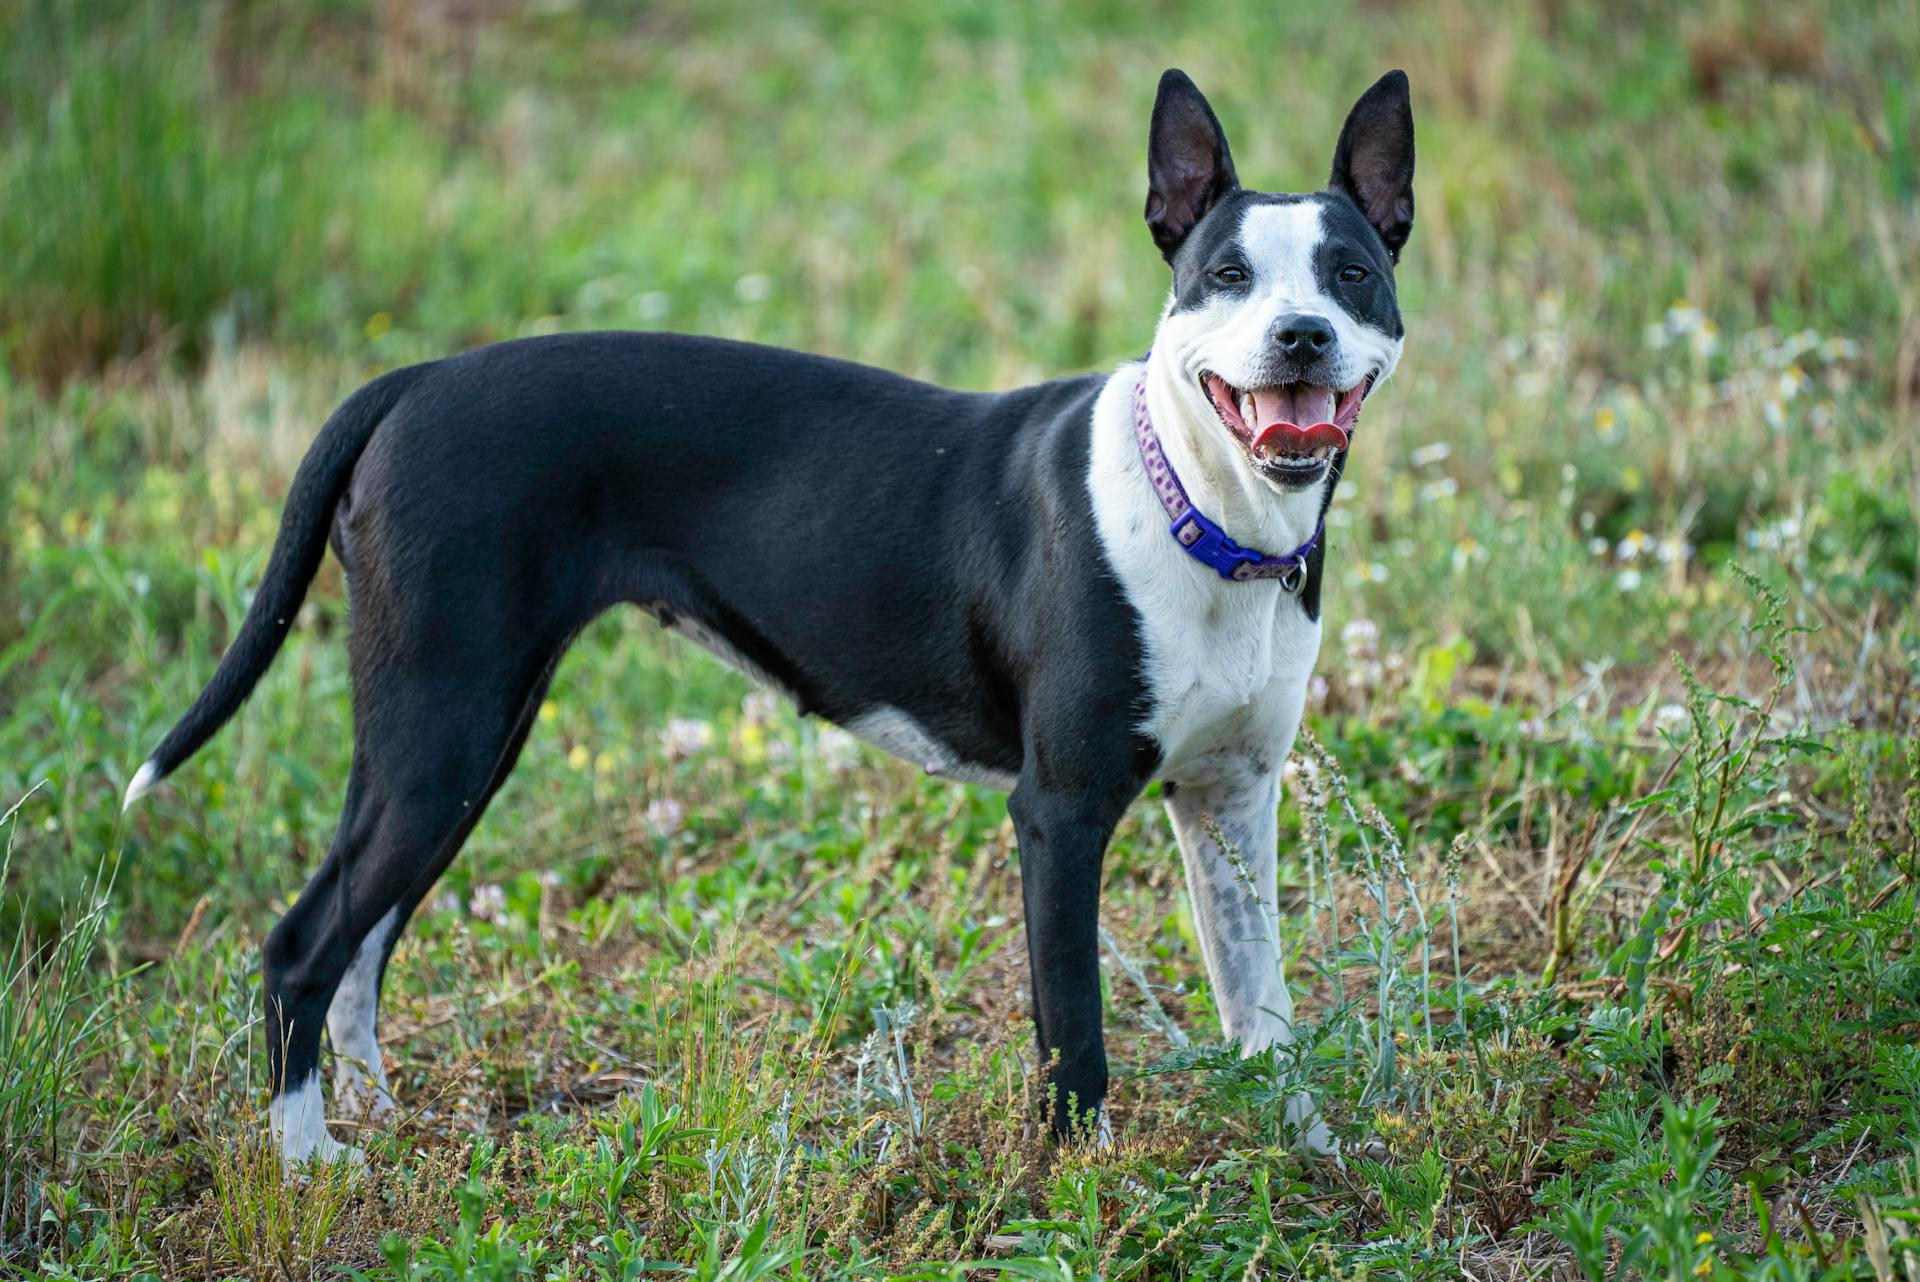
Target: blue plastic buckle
(1208, 544)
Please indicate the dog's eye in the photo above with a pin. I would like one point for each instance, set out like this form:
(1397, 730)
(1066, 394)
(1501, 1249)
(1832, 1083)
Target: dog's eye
(1353, 273)
(1230, 275)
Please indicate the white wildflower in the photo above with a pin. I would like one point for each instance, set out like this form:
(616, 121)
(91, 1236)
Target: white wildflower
(652, 307)
(836, 749)
(755, 287)
(1683, 318)
(489, 903)
(665, 815)
(685, 737)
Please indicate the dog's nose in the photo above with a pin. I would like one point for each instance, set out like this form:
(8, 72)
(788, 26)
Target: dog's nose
(1299, 334)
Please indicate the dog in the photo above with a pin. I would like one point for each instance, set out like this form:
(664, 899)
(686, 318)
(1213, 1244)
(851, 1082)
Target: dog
(1066, 591)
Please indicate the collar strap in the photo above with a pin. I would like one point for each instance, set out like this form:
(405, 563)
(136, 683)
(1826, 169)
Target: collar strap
(1200, 537)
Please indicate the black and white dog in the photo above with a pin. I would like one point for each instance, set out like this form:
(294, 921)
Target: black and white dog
(1066, 591)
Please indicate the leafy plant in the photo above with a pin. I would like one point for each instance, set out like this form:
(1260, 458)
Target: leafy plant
(54, 1016)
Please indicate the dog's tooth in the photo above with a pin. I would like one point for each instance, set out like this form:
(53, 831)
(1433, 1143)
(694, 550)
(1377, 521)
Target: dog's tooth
(1246, 410)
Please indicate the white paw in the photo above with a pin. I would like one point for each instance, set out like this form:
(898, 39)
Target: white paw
(299, 1121)
(328, 1152)
(358, 1098)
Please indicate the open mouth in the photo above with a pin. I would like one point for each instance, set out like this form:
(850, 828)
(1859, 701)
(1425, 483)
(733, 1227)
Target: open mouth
(1290, 431)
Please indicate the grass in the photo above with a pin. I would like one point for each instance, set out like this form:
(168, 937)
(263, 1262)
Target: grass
(1599, 869)
(52, 1009)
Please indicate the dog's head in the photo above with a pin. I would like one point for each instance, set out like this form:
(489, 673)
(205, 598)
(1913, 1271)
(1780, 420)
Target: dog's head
(1283, 315)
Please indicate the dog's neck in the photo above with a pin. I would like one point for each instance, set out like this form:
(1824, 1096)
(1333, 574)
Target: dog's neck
(1217, 477)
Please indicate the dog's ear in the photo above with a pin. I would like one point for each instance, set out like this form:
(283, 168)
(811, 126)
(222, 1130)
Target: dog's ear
(1188, 166)
(1373, 162)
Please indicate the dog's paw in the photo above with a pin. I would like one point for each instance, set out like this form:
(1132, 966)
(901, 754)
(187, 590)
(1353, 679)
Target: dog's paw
(320, 1157)
(360, 1091)
(363, 1101)
(298, 1124)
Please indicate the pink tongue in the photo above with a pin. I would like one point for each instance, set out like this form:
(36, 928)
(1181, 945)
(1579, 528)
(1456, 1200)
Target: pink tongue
(1301, 403)
(1295, 418)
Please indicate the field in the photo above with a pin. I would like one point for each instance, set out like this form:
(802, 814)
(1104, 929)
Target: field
(1600, 865)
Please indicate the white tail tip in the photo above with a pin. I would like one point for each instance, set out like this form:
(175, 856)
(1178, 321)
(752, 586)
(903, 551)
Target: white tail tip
(143, 780)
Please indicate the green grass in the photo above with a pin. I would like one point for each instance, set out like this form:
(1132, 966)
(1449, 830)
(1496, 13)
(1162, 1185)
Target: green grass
(1607, 960)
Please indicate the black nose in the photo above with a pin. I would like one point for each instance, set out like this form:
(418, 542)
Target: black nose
(1299, 334)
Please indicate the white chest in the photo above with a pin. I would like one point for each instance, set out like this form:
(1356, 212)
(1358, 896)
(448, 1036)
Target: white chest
(1226, 664)
(1228, 692)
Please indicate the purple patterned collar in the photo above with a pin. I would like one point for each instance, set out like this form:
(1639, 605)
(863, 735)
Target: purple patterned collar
(1203, 540)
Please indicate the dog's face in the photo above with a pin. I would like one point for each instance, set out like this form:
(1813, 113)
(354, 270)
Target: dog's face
(1283, 315)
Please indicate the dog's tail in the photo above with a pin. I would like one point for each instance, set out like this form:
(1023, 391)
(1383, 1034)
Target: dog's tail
(297, 550)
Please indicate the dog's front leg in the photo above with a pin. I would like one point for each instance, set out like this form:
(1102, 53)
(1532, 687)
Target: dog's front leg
(1234, 909)
(1063, 840)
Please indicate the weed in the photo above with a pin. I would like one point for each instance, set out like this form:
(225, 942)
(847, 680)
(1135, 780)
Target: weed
(54, 1015)
(272, 1223)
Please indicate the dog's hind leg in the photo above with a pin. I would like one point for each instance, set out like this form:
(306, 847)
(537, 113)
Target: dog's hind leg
(360, 1089)
(1234, 909)
(433, 739)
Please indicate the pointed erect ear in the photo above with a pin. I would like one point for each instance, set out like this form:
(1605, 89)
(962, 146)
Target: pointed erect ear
(1374, 160)
(1188, 166)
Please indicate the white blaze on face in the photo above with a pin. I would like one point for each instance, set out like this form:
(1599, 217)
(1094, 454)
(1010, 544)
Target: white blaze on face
(1282, 242)
(1233, 335)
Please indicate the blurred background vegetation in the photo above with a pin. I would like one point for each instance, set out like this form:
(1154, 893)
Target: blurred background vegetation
(1662, 292)
(1663, 303)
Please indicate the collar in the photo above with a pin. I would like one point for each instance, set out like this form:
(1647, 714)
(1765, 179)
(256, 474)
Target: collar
(1200, 537)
